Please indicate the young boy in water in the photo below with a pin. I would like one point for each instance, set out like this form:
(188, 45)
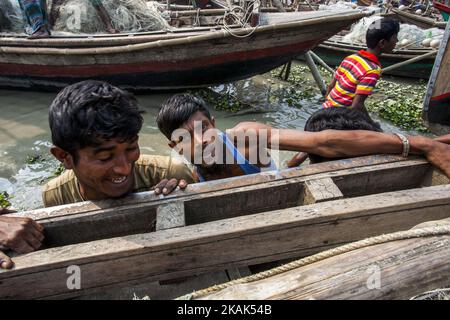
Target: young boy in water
(356, 77)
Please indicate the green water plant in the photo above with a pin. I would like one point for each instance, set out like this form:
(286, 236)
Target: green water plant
(4, 200)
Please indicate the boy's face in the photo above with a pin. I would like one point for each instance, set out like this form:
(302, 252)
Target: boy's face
(198, 142)
(389, 46)
(105, 171)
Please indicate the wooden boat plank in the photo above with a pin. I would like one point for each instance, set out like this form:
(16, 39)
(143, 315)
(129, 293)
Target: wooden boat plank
(216, 200)
(393, 270)
(196, 249)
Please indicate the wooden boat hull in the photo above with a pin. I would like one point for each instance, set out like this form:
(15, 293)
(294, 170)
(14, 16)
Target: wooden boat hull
(443, 9)
(422, 22)
(187, 61)
(436, 110)
(303, 211)
(333, 52)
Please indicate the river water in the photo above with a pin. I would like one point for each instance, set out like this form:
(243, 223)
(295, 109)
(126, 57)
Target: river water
(26, 163)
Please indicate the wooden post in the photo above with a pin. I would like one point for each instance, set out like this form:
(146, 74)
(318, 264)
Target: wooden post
(320, 190)
(170, 215)
(315, 72)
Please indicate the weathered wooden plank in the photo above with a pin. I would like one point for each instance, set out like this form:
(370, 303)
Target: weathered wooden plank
(87, 221)
(392, 270)
(196, 249)
(157, 291)
(319, 190)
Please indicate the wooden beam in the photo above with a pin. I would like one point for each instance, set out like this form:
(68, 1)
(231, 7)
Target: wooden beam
(88, 221)
(320, 190)
(393, 270)
(218, 245)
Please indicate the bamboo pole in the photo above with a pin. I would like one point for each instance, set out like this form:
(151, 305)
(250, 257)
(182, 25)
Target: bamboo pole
(200, 12)
(315, 72)
(321, 62)
(412, 60)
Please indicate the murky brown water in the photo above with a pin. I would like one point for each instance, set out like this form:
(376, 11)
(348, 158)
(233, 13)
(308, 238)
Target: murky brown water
(24, 132)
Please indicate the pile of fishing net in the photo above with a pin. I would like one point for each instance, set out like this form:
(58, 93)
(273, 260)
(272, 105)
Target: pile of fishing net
(408, 36)
(80, 16)
(340, 5)
(11, 19)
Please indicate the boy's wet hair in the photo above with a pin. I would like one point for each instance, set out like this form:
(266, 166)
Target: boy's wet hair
(88, 113)
(338, 118)
(177, 110)
(381, 29)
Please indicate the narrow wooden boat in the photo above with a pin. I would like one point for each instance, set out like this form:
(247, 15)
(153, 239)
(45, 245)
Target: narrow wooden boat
(334, 50)
(418, 20)
(443, 8)
(224, 225)
(436, 109)
(186, 58)
(389, 266)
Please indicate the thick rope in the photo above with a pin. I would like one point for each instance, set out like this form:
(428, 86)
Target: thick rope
(401, 235)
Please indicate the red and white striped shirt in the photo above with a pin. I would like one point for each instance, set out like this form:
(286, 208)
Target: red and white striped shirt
(357, 74)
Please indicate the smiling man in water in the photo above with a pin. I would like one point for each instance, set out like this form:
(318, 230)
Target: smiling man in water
(95, 128)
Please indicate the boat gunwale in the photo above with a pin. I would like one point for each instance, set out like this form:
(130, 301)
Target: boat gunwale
(340, 45)
(384, 55)
(425, 20)
(184, 40)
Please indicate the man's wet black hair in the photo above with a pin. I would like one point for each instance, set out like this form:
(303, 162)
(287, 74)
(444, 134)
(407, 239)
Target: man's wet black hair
(338, 118)
(88, 113)
(177, 110)
(384, 28)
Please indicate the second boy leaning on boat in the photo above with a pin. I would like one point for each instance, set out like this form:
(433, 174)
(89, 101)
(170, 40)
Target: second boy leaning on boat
(186, 112)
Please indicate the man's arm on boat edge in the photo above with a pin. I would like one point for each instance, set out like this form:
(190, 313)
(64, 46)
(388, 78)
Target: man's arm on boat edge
(352, 143)
(22, 235)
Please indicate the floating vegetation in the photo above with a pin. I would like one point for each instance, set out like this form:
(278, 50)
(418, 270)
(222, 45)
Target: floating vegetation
(399, 103)
(292, 96)
(303, 87)
(34, 158)
(4, 200)
(59, 170)
(220, 101)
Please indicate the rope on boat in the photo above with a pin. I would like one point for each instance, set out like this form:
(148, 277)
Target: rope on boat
(400, 235)
(243, 21)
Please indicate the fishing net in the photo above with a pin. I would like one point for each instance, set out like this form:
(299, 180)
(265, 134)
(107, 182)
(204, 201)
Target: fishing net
(408, 36)
(80, 16)
(11, 19)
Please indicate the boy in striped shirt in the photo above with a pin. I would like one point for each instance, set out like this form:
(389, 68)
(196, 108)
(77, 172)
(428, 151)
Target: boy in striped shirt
(356, 77)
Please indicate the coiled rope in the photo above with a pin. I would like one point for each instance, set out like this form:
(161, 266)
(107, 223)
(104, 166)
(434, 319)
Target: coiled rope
(238, 15)
(401, 235)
